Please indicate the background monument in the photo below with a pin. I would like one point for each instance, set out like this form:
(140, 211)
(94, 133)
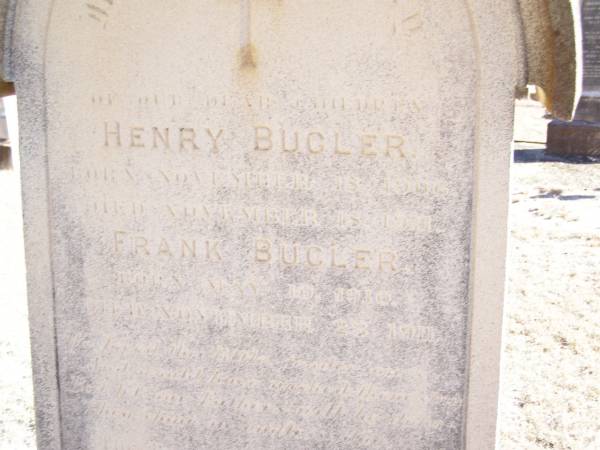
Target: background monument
(582, 136)
(272, 224)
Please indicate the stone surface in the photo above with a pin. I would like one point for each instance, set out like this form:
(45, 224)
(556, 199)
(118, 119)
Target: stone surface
(588, 108)
(553, 62)
(574, 138)
(581, 136)
(260, 235)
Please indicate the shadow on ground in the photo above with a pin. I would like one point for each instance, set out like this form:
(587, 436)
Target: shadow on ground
(539, 155)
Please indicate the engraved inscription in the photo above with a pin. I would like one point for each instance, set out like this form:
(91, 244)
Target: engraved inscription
(272, 251)
(139, 245)
(318, 256)
(181, 139)
(266, 139)
(284, 141)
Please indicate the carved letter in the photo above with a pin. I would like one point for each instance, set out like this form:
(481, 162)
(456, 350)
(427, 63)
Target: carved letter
(214, 139)
(310, 217)
(389, 259)
(367, 142)
(314, 261)
(284, 258)
(164, 138)
(284, 147)
(187, 135)
(394, 143)
(163, 248)
(263, 250)
(338, 150)
(310, 142)
(334, 262)
(262, 138)
(213, 250)
(136, 138)
(119, 241)
(141, 243)
(361, 259)
(116, 134)
(185, 246)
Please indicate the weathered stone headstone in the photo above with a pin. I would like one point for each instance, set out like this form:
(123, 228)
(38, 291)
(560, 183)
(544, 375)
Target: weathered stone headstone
(270, 224)
(582, 136)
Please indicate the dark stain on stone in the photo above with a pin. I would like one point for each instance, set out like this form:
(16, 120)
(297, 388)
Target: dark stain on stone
(248, 57)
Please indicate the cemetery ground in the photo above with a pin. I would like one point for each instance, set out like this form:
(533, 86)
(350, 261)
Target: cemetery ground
(550, 386)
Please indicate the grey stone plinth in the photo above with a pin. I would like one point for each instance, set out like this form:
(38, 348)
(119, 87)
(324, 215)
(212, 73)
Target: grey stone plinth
(574, 138)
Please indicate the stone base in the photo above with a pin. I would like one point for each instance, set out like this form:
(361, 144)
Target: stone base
(573, 138)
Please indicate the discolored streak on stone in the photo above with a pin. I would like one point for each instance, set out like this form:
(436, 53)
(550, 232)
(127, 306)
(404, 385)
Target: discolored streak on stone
(247, 57)
(247, 53)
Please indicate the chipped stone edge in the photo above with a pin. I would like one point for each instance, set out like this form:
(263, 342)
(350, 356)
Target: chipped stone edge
(23, 62)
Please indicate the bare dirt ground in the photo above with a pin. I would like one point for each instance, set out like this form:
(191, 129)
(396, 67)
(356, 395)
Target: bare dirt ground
(16, 402)
(550, 388)
(550, 393)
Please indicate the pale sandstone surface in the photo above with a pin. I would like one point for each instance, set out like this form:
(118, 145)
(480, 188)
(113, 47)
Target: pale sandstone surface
(333, 360)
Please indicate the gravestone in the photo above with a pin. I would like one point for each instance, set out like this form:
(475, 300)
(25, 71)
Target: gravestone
(5, 150)
(271, 224)
(582, 135)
